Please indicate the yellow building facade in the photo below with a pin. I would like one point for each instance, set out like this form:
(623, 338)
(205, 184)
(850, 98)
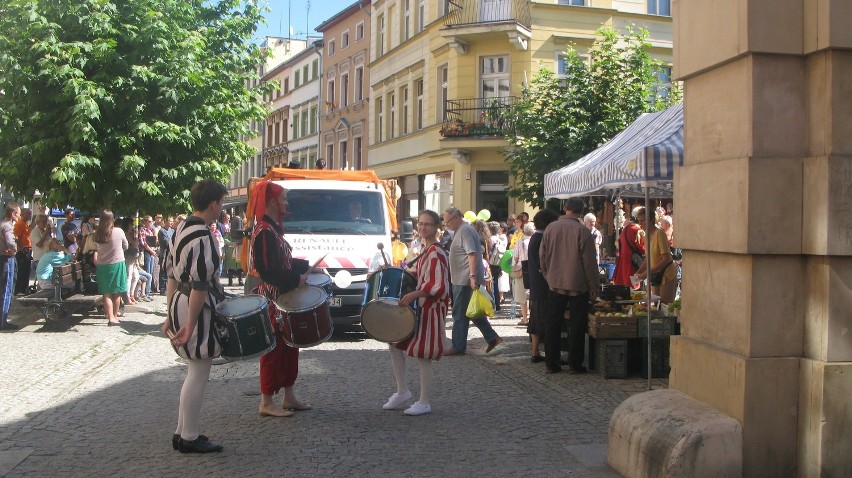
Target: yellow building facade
(442, 75)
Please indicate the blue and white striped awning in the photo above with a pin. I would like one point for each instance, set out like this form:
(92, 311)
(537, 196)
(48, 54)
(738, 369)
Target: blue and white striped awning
(643, 155)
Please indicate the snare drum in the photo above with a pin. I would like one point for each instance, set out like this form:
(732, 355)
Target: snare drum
(389, 282)
(386, 321)
(305, 319)
(318, 279)
(244, 328)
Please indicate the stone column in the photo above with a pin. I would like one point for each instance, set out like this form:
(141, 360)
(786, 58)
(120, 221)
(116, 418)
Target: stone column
(764, 203)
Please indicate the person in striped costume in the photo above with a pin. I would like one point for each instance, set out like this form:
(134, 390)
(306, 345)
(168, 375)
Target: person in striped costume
(271, 257)
(192, 294)
(432, 293)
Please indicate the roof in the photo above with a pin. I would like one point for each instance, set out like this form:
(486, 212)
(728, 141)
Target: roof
(359, 4)
(644, 154)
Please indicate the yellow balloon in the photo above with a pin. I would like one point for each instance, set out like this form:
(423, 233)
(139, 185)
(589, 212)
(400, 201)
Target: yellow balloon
(470, 216)
(484, 214)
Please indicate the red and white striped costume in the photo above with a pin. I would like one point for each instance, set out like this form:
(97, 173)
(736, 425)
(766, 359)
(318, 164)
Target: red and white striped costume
(432, 272)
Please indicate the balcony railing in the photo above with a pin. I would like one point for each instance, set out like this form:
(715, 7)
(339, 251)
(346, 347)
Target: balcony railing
(474, 12)
(478, 117)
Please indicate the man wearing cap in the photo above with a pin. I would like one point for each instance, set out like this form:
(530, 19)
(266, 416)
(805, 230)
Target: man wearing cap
(271, 257)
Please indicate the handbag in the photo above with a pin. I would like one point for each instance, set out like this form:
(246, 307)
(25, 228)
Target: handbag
(525, 273)
(636, 259)
(657, 277)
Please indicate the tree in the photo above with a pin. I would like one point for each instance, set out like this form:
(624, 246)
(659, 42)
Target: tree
(125, 104)
(559, 120)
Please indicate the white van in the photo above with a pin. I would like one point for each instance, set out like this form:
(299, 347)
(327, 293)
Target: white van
(341, 223)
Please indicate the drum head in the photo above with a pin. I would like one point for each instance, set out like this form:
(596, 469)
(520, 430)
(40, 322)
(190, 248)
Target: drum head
(241, 306)
(302, 298)
(318, 279)
(387, 321)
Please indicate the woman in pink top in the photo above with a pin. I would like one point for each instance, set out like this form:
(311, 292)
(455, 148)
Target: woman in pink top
(111, 273)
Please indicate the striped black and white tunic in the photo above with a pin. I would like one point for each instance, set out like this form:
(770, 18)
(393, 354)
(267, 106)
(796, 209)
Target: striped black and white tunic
(194, 259)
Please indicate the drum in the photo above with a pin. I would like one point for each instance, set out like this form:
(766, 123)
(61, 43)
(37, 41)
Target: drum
(319, 279)
(305, 318)
(244, 328)
(386, 321)
(389, 282)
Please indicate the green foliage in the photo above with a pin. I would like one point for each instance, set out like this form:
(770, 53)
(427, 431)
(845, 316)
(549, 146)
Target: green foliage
(558, 121)
(125, 104)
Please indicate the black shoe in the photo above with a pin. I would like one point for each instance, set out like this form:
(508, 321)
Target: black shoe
(550, 370)
(536, 359)
(9, 326)
(199, 445)
(176, 440)
(577, 370)
(563, 362)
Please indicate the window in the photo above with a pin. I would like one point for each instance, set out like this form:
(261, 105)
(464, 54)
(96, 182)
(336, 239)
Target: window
(572, 2)
(305, 78)
(270, 135)
(421, 15)
(561, 65)
(380, 39)
(663, 87)
(359, 31)
(296, 82)
(660, 7)
(404, 129)
(304, 124)
(315, 69)
(286, 85)
(443, 93)
(313, 119)
(380, 120)
(419, 123)
(344, 90)
(344, 40)
(392, 122)
(329, 156)
(344, 161)
(356, 153)
(359, 83)
(277, 138)
(330, 95)
(331, 48)
(295, 123)
(405, 23)
(494, 76)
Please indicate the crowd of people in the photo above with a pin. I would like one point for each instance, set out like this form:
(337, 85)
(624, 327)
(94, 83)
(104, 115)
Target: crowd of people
(122, 257)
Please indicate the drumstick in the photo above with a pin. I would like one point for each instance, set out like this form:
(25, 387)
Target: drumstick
(382, 250)
(314, 267)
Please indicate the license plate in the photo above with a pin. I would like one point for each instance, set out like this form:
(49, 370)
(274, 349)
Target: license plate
(335, 302)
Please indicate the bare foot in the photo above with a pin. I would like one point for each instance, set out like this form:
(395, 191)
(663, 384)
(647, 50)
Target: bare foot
(294, 405)
(274, 412)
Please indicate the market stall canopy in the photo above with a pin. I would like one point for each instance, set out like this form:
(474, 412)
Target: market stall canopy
(641, 156)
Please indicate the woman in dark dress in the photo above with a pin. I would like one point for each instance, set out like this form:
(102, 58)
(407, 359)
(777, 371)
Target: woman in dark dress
(538, 284)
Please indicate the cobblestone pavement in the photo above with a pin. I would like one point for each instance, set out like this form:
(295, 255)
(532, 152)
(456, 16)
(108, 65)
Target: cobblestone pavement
(84, 399)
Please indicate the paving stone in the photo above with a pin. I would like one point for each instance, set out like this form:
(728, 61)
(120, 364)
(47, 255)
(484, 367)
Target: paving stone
(83, 399)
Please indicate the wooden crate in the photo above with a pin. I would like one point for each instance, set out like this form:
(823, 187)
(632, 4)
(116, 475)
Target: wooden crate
(606, 327)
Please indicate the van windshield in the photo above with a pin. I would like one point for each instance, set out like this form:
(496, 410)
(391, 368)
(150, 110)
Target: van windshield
(320, 211)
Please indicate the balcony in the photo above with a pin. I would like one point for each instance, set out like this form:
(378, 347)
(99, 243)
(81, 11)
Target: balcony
(461, 13)
(478, 117)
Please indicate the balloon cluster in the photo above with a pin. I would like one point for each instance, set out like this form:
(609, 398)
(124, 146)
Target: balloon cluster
(471, 216)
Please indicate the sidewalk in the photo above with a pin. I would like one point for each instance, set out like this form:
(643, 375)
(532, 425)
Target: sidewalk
(92, 400)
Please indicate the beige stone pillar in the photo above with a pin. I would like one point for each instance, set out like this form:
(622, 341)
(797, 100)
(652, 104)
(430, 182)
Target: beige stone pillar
(764, 204)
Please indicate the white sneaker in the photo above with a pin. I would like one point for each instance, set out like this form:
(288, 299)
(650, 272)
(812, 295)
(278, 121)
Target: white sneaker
(418, 409)
(396, 400)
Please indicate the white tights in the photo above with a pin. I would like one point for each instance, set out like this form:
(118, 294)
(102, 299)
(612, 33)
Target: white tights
(192, 397)
(398, 361)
